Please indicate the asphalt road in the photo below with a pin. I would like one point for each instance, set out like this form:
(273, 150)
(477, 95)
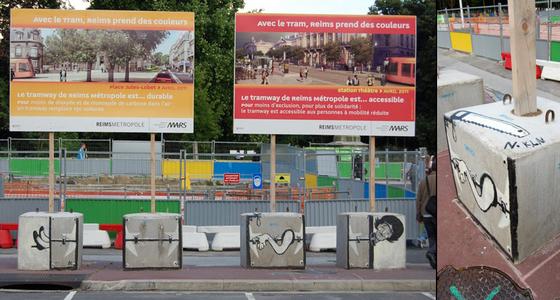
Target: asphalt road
(78, 295)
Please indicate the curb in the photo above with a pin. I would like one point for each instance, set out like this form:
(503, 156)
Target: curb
(262, 285)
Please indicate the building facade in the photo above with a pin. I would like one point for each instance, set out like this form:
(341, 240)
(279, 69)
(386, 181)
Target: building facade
(181, 54)
(27, 44)
(314, 45)
(393, 45)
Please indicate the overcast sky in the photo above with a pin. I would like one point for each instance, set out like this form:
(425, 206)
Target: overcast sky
(349, 7)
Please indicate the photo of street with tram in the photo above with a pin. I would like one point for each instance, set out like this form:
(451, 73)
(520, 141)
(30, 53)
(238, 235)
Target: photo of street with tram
(353, 59)
(80, 55)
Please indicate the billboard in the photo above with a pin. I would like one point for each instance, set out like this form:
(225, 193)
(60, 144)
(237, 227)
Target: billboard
(101, 71)
(325, 74)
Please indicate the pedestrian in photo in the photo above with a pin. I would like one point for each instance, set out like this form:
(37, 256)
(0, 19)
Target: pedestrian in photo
(301, 74)
(306, 72)
(426, 203)
(12, 74)
(82, 152)
(349, 81)
(61, 75)
(64, 74)
(386, 65)
(370, 80)
(356, 80)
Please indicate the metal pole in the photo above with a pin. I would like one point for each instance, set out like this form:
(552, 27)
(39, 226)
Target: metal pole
(386, 173)
(549, 33)
(61, 167)
(372, 174)
(501, 27)
(469, 18)
(272, 173)
(153, 171)
(51, 172)
(462, 17)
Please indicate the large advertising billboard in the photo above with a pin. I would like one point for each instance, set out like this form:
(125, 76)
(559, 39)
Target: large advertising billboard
(325, 74)
(101, 71)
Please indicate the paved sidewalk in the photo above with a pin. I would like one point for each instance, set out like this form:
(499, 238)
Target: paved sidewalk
(104, 272)
(463, 243)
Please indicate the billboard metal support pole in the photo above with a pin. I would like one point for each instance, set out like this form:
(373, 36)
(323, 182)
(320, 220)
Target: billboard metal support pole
(51, 172)
(153, 171)
(273, 173)
(372, 174)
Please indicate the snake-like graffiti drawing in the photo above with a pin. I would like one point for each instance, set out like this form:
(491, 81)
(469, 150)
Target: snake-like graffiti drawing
(483, 187)
(279, 245)
(491, 123)
(40, 237)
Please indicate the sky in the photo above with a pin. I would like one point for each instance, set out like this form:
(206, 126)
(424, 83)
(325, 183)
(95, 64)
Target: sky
(349, 7)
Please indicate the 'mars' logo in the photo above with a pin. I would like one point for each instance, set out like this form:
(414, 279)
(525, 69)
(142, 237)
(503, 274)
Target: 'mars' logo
(177, 125)
(398, 128)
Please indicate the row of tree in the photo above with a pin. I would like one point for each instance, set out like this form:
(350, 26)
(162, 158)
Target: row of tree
(118, 47)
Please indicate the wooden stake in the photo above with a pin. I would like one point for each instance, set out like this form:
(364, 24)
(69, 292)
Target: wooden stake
(522, 18)
(273, 173)
(153, 171)
(51, 172)
(372, 174)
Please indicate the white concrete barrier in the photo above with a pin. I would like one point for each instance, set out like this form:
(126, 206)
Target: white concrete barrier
(226, 241)
(95, 238)
(217, 229)
(322, 238)
(193, 239)
(550, 69)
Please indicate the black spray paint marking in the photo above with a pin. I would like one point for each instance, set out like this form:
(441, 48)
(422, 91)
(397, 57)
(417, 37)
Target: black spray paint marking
(528, 144)
(40, 237)
(387, 228)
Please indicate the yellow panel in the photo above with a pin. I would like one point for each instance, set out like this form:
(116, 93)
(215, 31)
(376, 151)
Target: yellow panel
(170, 168)
(196, 169)
(461, 41)
(200, 169)
(310, 181)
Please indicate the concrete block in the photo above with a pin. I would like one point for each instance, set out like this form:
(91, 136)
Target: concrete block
(371, 240)
(195, 241)
(152, 241)
(226, 241)
(550, 69)
(456, 90)
(507, 170)
(49, 241)
(272, 240)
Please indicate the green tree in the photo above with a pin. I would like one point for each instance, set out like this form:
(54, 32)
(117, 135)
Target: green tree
(426, 66)
(333, 52)
(142, 43)
(362, 50)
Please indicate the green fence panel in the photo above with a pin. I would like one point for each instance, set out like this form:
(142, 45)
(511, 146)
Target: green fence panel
(325, 181)
(110, 211)
(32, 167)
(394, 170)
(555, 51)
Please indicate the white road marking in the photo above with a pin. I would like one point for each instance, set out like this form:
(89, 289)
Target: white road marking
(249, 296)
(429, 296)
(70, 295)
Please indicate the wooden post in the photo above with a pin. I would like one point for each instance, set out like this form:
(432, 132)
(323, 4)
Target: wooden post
(372, 174)
(153, 171)
(51, 172)
(273, 173)
(522, 17)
